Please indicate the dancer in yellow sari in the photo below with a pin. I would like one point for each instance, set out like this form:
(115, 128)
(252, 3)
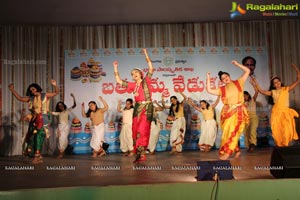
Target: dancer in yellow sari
(282, 117)
(234, 115)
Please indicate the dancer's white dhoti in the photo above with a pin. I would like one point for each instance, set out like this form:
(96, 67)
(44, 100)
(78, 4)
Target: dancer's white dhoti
(154, 135)
(97, 137)
(177, 134)
(208, 132)
(126, 141)
(63, 133)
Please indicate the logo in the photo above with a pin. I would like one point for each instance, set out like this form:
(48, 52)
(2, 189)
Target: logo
(236, 10)
(168, 61)
(278, 10)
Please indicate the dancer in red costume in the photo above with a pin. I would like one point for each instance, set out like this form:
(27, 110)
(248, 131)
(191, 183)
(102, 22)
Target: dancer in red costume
(143, 109)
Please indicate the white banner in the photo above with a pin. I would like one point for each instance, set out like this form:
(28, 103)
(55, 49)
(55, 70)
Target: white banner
(89, 73)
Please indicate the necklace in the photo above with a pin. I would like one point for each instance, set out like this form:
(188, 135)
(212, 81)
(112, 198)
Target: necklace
(136, 89)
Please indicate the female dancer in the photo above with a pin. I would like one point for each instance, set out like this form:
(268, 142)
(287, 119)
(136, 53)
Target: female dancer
(38, 126)
(126, 141)
(234, 115)
(208, 126)
(143, 109)
(176, 110)
(282, 117)
(63, 129)
(96, 116)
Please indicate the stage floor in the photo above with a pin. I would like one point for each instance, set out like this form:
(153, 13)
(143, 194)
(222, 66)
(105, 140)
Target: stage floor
(115, 169)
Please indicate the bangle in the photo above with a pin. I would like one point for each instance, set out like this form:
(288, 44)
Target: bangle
(116, 73)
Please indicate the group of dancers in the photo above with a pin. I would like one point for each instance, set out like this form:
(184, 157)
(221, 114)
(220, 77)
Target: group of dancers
(140, 125)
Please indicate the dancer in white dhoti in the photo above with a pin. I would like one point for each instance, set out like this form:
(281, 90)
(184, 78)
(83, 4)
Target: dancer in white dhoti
(96, 116)
(208, 125)
(155, 128)
(179, 124)
(126, 140)
(63, 128)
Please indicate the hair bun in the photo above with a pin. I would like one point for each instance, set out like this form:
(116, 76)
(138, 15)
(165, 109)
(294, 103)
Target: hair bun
(220, 73)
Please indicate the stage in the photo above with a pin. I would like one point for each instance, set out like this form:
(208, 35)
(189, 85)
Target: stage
(162, 176)
(116, 169)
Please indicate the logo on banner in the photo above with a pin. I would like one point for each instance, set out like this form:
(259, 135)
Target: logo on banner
(236, 10)
(168, 61)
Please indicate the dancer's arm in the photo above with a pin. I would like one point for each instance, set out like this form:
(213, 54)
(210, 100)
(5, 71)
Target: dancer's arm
(14, 92)
(293, 85)
(74, 101)
(159, 108)
(119, 106)
(190, 102)
(244, 68)
(52, 94)
(216, 102)
(148, 60)
(163, 103)
(104, 104)
(184, 97)
(117, 75)
(258, 88)
(208, 87)
(25, 117)
(82, 111)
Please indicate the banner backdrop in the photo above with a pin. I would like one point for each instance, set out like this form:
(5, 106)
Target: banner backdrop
(89, 74)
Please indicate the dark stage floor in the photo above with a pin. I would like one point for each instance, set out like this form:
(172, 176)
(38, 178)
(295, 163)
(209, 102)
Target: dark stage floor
(116, 169)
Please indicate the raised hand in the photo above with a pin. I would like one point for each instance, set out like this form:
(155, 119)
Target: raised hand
(234, 62)
(189, 100)
(145, 52)
(53, 82)
(115, 64)
(296, 68)
(208, 75)
(147, 56)
(298, 71)
(11, 86)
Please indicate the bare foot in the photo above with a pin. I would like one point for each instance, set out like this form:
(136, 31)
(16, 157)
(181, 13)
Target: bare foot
(224, 157)
(102, 153)
(60, 155)
(251, 148)
(237, 154)
(37, 160)
(201, 147)
(207, 148)
(131, 153)
(95, 154)
(173, 152)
